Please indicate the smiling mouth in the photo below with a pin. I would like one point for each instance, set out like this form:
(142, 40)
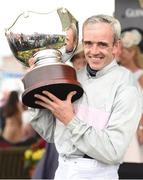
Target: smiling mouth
(96, 59)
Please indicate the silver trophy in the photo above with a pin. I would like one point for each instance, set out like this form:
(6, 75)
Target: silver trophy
(52, 39)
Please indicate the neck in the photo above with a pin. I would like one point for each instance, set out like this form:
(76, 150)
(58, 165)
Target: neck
(91, 71)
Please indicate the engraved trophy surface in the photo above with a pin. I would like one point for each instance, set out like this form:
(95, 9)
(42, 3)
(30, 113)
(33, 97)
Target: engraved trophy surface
(52, 39)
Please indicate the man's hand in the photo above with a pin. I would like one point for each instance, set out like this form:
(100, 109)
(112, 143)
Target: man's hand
(62, 109)
(31, 63)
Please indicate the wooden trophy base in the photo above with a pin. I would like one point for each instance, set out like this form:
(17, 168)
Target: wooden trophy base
(59, 79)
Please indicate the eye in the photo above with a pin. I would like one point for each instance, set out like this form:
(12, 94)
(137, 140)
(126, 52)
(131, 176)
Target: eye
(102, 44)
(87, 43)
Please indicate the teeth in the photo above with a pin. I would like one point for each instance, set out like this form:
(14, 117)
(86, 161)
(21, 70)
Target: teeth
(97, 59)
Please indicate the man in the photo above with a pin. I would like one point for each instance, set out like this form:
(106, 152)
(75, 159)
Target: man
(71, 38)
(92, 134)
(78, 61)
(70, 42)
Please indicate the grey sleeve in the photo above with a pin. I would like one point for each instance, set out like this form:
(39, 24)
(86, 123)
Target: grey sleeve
(43, 122)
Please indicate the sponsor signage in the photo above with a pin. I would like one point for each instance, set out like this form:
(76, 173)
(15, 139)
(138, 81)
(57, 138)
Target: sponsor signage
(129, 13)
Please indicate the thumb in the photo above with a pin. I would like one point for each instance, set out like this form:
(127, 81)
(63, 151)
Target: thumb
(31, 62)
(70, 95)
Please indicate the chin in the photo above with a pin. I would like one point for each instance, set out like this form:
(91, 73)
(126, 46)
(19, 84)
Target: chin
(97, 67)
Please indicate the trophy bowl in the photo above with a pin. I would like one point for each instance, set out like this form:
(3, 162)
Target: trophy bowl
(51, 38)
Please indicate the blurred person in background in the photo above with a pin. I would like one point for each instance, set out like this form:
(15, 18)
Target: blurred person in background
(70, 42)
(71, 37)
(3, 99)
(13, 133)
(78, 61)
(8, 85)
(131, 57)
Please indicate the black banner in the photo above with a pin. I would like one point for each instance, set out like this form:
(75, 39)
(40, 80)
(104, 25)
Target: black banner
(129, 13)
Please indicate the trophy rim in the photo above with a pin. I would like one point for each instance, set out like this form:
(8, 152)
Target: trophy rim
(67, 86)
(60, 81)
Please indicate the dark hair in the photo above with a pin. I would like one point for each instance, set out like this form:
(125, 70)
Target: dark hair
(11, 107)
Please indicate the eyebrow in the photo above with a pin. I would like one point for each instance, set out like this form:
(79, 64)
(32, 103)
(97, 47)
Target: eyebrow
(98, 43)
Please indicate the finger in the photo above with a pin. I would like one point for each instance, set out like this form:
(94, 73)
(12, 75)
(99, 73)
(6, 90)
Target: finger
(43, 98)
(31, 62)
(51, 96)
(70, 95)
(45, 105)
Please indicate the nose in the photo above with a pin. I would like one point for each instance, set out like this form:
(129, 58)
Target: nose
(94, 48)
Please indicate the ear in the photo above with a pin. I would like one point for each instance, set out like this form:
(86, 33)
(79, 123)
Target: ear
(117, 48)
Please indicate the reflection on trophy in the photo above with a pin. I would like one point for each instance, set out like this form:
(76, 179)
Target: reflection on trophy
(51, 38)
